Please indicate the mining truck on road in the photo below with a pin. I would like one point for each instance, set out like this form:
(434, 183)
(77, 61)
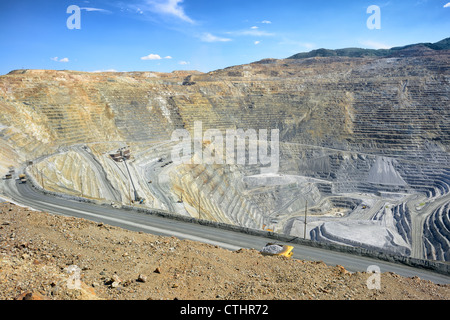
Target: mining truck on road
(272, 249)
(23, 178)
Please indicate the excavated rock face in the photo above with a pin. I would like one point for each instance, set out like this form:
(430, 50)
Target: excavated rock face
(391, 105)
(359, 139)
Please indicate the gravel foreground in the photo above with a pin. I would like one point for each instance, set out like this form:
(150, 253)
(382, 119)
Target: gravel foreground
(49, 257)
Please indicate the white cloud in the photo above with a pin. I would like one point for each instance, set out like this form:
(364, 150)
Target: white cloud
(183, 63)
(166, 8)
(266, 21)
(96, 9)
(254, 27)
(447, 5)
(152, 56)
(208, 37)
(56, 59)
(257, 42)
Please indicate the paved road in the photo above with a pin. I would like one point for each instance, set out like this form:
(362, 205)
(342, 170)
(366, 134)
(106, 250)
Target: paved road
(24, 194)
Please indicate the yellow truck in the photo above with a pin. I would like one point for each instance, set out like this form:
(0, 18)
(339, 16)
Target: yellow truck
(273, 249)
(23, 178)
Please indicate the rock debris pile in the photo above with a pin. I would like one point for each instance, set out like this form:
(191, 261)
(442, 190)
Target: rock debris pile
(49, 257)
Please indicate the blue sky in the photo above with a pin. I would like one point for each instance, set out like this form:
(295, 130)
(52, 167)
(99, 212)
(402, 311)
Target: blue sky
(204, 35)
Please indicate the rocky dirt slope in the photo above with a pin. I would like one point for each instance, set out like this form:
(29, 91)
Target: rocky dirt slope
(37, 251)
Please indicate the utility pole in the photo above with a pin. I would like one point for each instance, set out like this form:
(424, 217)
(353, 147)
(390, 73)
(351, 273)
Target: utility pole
(42, 180)
(199, 210)
(306, 213)
(81, 187)
(129, 174)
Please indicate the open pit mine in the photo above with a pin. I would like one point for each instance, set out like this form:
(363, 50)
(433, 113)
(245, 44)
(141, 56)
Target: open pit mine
(361, 152)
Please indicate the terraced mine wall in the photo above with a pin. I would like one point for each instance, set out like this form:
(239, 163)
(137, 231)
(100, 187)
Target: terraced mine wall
(433, 265)
(364, 144)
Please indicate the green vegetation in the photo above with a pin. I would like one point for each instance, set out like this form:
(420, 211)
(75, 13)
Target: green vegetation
(359, 52)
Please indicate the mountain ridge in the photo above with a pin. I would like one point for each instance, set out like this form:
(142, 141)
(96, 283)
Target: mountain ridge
(350, 52)
(354, 52)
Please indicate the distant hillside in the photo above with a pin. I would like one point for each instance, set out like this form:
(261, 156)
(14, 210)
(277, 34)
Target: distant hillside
(359, 52)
